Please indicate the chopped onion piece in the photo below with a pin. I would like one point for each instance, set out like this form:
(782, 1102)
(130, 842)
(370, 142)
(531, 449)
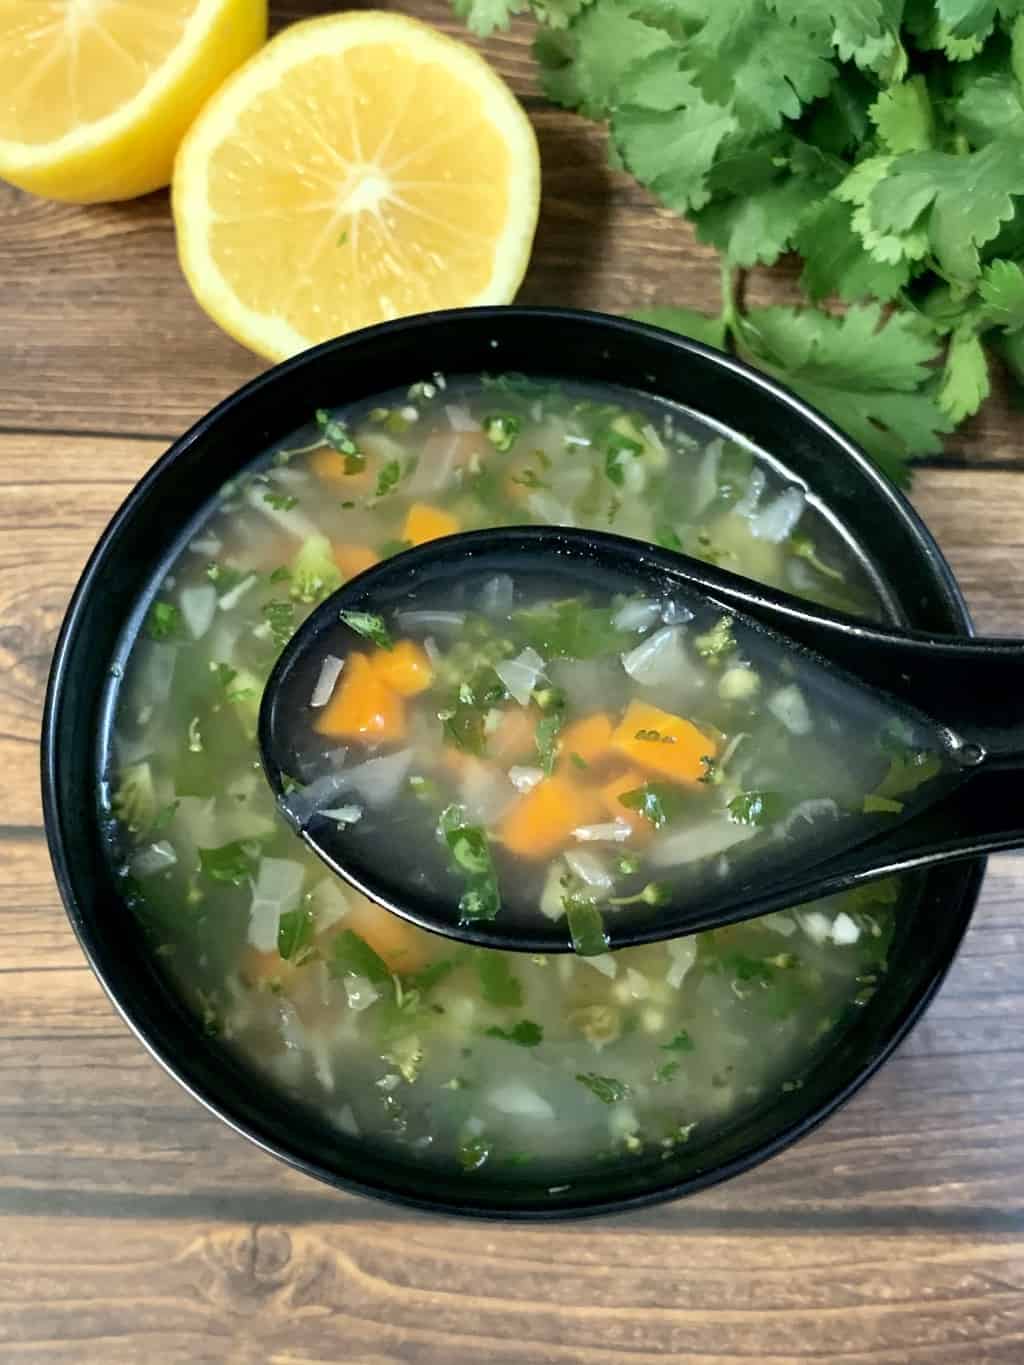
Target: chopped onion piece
(637, 615)
(198, 605)
(815, 925)
(637, 984)
(788, 707)
(300, 806)
(682, 954)
(705, 488)
(329, 903)
(293, 521)
(346, 1121)
(361, 992)
(775, 522)
(660, 658)
(844, 930)
(229, 600)
(673, 613)
(604, 963)
(156, 858)
(444, 622)
(485, 794)
(547, 508)
(278, 890)
(321, 1062)
(207, 544)
(343, 815)
(378, 780)
(746, 506)
(525, 779)
(520, 674)
(808, 811)
(432, 652)
(516, 1097)
(703, 840)
(551, 897)
(611, 831)
(497, 596)
(153, 681)
(330, 671)
(780, 924)
(460, 418)
(590, 869)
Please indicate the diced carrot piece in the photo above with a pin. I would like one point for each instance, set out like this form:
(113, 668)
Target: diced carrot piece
(329, 465)
(259, 968)
(402, 946)
(542, 821)
(406, 668)
(425, 522)
(353, 559)
(675, 746)
(362, 707)
(610, 793)
(589, 737)
(514, 740)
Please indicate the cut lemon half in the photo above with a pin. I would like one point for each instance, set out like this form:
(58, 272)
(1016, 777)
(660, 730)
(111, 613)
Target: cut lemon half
(362, 167)
(96, 94)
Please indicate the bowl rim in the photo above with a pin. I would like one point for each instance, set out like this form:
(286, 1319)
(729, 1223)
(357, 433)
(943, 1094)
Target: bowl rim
(939, 571)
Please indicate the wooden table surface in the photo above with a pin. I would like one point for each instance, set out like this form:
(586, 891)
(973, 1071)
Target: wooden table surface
(135, 1228)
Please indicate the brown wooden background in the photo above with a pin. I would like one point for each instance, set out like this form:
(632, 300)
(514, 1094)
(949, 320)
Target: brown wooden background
(136, 1229)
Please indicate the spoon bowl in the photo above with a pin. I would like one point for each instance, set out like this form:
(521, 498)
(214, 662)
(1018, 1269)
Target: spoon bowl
(954, 697)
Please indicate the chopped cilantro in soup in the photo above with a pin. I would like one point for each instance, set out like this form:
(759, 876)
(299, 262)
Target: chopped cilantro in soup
(545, 728)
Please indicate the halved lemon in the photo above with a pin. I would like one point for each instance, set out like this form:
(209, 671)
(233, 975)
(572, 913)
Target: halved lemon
(96, 94)
(362, 167)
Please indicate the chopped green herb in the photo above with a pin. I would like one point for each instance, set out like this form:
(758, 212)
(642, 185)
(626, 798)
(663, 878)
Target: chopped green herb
(342, 238)
(666, 1071)
(353, 956)
(281, 574)
(368, 625)
(280, 502)
(529, 478)
(578, 761)
(224, 674)
(164, 816)
(606, 1088)
(718, 641)
(658, 802)
(546, 739)
(802, 547)
(757, 808)
(336, 435)
(525, 1034)
(654, 893)
(586, 927)
(682, 1042)
(501, 430)
(280, 617)
(424, 788)
(570, 630)
(619, 450)
(655, 737)
(498, 984)
(224, 577)
(295, 934)
(232, 863)
(711, 774)
(667, 538)
(388, 478)
(471, 854)
(164, 621)
(881, 805)
(472, 1153)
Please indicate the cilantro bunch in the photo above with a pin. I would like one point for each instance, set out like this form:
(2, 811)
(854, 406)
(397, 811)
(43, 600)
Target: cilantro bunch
(881, 140)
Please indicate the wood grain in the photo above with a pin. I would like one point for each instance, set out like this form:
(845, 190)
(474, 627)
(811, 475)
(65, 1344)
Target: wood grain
(136, 1228)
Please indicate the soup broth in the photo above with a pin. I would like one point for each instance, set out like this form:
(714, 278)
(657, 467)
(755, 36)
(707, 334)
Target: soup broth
(475, 1059)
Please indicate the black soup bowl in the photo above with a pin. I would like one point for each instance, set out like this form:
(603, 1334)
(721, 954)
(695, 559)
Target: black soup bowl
(158, 518)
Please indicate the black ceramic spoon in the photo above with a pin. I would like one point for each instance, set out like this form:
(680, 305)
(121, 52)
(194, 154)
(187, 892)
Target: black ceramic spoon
(963, 699)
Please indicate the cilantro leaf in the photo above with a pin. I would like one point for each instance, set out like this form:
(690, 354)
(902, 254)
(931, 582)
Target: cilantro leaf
(370, 626)
(836, 260)
(869, 376)
(471, 855)
(756, 228)
(353, 956)
(525, 1034)
(965, 382)
(484, 16)
(295, 933)
(605, 1088)
(1002, 294)
(231, 863)
(960, 201)
(990, 108)
(667, 133)
(904, 118)
(682, 1042)
(582, 67)
(164, 621)
(757, 808)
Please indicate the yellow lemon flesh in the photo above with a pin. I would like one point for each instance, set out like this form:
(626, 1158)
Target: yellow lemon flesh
(361, 167)
(95, 95)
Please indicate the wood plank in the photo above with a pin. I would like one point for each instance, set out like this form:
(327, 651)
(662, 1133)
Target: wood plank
(97, 315)
(135, 1226)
